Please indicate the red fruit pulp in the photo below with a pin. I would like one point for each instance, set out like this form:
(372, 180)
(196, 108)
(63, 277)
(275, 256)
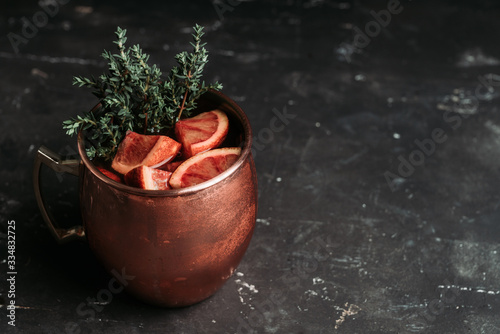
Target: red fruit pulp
(150, 150)
(202, 132)
(110, 174)
(204, 166)
(137, 149)
(145, 177)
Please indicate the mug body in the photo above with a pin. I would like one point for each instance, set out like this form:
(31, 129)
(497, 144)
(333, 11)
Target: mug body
(174, 247)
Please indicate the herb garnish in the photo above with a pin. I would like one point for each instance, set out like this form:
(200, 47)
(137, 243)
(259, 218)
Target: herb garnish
(134, 97)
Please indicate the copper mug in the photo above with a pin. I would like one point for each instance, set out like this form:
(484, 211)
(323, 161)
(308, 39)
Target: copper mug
(180, 246)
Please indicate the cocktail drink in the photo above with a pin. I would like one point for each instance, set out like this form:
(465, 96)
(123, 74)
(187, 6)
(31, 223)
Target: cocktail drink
(177, 226)
(199, 148)
(180, 245)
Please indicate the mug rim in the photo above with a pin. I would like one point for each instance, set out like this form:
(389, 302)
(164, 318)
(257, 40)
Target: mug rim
(245, 153)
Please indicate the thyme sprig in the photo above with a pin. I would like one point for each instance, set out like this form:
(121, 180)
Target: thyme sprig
(134, 96)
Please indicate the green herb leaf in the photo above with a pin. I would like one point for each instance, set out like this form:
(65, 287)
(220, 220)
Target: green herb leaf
(135, 97)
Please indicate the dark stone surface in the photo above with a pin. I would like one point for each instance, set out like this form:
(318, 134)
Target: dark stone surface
(337, 248)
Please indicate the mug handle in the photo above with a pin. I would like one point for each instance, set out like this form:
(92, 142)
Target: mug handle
(56, 163)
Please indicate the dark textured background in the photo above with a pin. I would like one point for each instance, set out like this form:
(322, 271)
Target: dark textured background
(336, 248)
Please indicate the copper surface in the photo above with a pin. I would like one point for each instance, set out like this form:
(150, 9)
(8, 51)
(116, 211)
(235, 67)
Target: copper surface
(179, 245)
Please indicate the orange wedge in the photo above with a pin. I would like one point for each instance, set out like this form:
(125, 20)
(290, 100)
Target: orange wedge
(202, 132)
(204, 166)
(145, 177)
(149, 150)
(171, 166)
(110, 174)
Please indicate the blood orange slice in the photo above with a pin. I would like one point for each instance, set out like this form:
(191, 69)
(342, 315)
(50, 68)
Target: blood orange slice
(202, 132)
(145, 177)
(110, 174)
(171, 166)
(204, 166)
(164, 151)
(150, 150)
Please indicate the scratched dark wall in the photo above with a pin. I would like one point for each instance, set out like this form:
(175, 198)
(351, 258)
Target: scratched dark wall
(377, 145)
